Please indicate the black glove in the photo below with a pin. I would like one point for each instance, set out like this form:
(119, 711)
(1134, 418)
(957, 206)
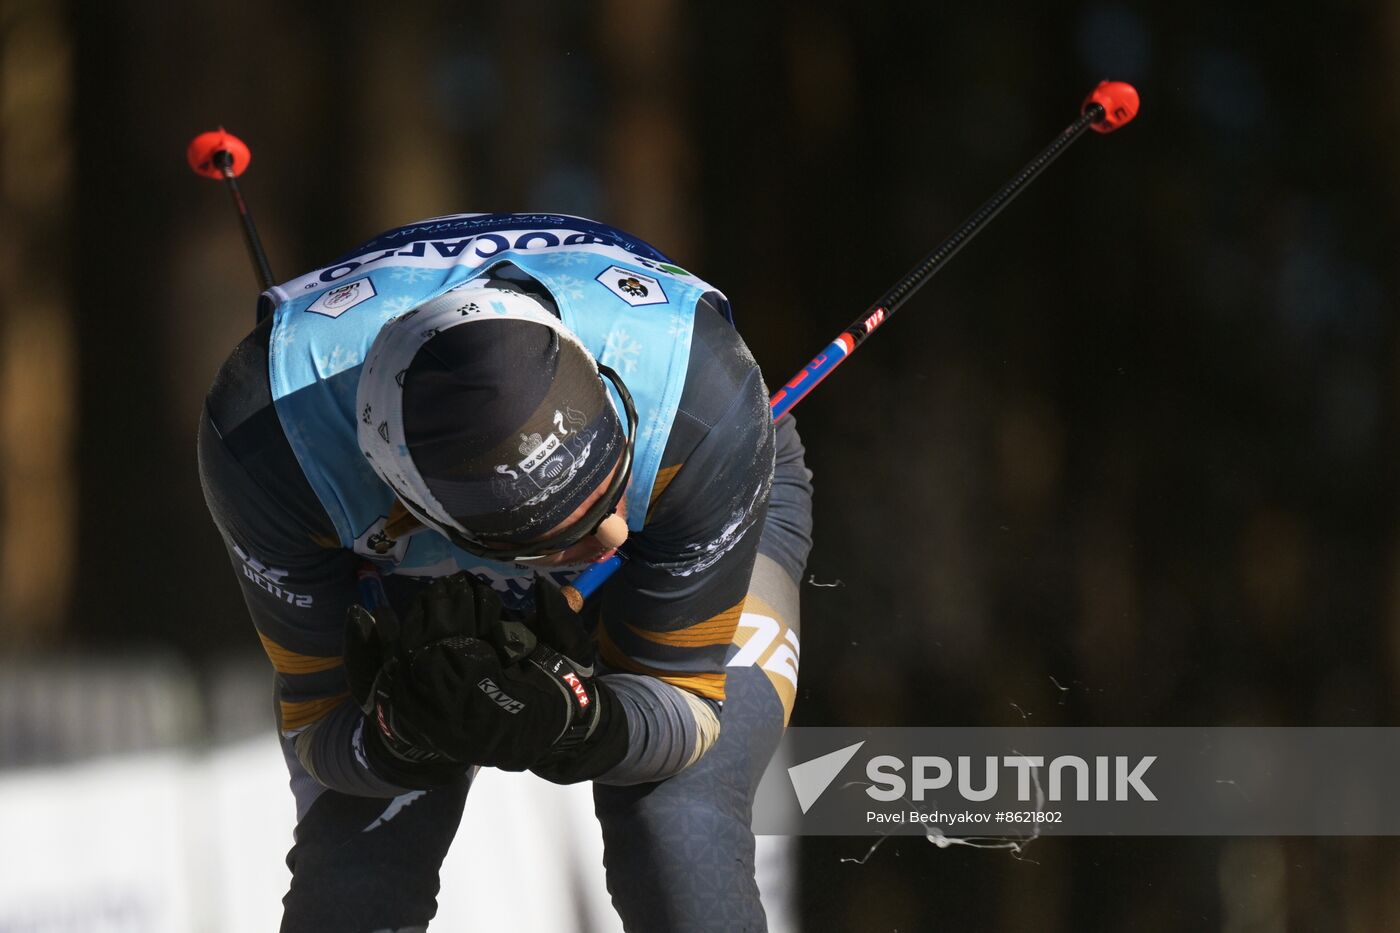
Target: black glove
(503, 715)
(395, 748)
(460, 685)
(513, 712)
(585, 752)
(402, 714)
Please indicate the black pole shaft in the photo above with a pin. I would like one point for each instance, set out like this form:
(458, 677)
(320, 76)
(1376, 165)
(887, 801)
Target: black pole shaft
(905, 288)
(224, 162)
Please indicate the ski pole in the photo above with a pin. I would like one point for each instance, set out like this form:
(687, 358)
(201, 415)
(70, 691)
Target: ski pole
(221, 155)
(1108, 107)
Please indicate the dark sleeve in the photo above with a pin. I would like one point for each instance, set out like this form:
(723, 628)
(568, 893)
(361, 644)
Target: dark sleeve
(671, 612)
(296, 579)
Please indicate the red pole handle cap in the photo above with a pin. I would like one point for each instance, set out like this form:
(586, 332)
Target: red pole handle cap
(205, 146)
(1119, 101)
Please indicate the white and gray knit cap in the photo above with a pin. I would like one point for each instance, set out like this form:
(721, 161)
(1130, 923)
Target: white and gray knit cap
(497, 430)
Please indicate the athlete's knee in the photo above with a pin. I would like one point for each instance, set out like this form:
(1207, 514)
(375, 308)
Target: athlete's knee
(363, 863)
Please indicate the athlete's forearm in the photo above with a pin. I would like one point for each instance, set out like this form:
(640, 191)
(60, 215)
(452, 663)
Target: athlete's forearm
(332, 752)
(668, 729)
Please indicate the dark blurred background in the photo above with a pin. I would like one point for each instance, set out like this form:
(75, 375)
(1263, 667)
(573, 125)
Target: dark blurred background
(1129, 461)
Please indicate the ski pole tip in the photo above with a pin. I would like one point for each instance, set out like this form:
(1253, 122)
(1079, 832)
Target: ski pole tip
(1119, 101)
(204, 148)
